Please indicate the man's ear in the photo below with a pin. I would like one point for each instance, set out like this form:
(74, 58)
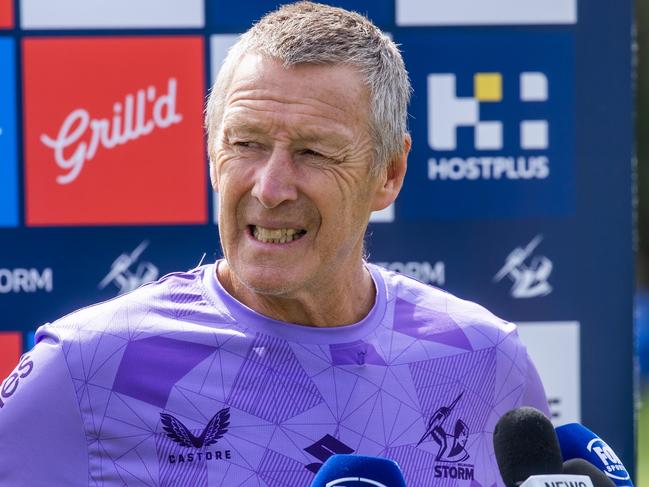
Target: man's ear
(392, 178)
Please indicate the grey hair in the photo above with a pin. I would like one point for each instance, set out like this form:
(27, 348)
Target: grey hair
(313, 33)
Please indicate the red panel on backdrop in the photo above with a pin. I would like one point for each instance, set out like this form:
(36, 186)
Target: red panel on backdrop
(11, 347)
(113, 131)
(6, 14)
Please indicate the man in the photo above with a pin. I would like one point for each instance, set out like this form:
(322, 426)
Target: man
(253, 370)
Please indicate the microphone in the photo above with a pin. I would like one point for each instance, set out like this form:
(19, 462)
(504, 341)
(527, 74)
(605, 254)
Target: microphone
(576, 473)
(562, 480)
(358, 471)
(577, 441)
(526, 445)
(579, 466)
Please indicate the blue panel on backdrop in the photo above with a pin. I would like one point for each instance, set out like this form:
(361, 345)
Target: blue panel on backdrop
(493, 124)
(226, 16)
(8, 159)
(81, 266)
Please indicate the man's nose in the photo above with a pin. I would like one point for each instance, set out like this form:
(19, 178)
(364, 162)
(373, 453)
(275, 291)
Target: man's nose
(275, 179)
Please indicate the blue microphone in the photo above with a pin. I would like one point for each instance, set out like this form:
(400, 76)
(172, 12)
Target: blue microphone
(577, 441)
(358, 471)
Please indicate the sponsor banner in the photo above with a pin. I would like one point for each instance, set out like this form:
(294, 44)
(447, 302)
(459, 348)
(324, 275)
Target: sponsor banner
(82, 266)
(520, 273)
(72, 14)
(219, 45)
(528, 270)
(111, 139)
(30, 341)
(130, 270)
(10, 385)
(433, 273)
(8, 136)
(11, 347)
(26, 280)
(385, 215)
(495, 127)
(481, 12)
(6, 14)
(239, 16)
(554, 349)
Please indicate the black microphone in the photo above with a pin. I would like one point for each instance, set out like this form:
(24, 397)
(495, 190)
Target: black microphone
(526, 444)
(579, 466)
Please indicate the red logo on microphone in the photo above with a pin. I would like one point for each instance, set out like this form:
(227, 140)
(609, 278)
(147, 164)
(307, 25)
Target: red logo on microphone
(113, 130)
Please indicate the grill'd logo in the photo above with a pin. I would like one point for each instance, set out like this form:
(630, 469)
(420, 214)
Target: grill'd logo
(108, 138)
(128, 122)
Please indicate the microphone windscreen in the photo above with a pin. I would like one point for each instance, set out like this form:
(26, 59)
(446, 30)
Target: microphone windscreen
(358, 470)
(579, 466)
(526, 444)
(577, 441)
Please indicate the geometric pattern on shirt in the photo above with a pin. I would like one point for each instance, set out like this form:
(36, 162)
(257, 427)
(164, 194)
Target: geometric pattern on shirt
(151, 366)
(439, 378)
(428, 324)
(271, 384)
(282, 437)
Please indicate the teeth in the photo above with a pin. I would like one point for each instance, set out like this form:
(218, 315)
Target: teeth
(276, 235)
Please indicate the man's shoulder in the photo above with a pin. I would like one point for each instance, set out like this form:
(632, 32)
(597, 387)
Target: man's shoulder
(433, 311)
(175, 297)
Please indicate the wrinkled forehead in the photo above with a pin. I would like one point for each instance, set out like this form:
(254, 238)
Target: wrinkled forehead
(335, 89)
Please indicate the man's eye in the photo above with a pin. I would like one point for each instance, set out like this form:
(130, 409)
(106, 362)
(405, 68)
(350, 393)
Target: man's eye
(312, 153)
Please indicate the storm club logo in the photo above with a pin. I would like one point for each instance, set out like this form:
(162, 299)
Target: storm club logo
(451, 445)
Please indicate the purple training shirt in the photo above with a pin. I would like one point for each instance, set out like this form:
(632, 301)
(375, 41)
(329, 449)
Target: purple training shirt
(177, 383)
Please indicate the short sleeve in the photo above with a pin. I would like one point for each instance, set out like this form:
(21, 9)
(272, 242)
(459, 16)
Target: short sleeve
(42, 439)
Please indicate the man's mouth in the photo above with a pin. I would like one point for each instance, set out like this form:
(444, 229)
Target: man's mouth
(276, 235)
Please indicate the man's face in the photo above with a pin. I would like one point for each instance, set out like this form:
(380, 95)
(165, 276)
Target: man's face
(292, 168)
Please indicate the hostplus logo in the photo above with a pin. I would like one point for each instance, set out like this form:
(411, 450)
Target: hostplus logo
(496, 132)
(451, 444)
(447, 112)
(215, 429)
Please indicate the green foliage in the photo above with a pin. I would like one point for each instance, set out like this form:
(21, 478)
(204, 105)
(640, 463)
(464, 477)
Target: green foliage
(643, 442)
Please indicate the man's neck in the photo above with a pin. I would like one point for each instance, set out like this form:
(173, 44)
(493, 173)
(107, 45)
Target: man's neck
(343, 303)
